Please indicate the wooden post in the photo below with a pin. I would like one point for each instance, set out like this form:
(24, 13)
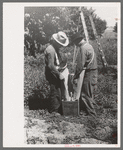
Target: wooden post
(84, 25)
(75, 53)
(81, 76)
(97, 40)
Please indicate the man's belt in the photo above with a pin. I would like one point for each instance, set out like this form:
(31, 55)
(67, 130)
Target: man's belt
(62, 69)
(87, 70)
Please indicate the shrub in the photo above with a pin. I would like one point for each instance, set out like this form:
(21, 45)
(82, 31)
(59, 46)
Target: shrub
(105, 95)
(35, 84)
(109, 48)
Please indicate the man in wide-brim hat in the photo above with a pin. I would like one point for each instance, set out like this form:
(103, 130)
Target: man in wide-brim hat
(55, 63)
(86, 60)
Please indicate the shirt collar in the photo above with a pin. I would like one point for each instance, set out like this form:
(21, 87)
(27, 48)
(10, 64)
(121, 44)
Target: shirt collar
(82, 42)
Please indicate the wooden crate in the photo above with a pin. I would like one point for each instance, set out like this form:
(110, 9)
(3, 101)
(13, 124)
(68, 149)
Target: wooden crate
(70, 108)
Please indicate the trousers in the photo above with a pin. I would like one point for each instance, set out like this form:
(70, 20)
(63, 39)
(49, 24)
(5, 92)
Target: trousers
(88, 87)
(55, 91)
(86, 96)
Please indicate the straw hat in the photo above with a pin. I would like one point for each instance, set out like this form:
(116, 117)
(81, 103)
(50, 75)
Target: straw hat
(61, 38)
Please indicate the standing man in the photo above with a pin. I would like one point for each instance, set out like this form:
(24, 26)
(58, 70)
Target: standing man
(86, 60)
(54, 62)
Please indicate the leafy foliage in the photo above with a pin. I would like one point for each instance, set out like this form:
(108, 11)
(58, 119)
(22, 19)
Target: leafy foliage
(42, 22)
(115, 28)
(109, 48)
(35, 84)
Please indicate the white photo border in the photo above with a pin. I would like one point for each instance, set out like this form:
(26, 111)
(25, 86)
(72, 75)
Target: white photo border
(13, 72)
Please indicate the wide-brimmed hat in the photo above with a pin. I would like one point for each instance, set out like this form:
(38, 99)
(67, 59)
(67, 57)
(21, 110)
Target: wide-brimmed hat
(61, 38)
(76, 36)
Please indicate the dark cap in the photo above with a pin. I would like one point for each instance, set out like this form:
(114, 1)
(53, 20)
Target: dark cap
(77, 37)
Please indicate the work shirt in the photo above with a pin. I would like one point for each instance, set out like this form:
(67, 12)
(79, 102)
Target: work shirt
(54, 61)
(86, 59)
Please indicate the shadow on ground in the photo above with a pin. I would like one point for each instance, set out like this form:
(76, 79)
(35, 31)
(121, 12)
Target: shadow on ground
(36, 103)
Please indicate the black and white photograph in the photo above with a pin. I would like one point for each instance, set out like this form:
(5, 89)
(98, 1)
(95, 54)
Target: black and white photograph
(70, 68)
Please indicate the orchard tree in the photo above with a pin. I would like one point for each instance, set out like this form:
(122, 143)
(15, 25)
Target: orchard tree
(42, 22)
(115, 27)
(100, 24)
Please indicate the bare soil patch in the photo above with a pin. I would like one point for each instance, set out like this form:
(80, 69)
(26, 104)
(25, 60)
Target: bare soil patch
(43, 128)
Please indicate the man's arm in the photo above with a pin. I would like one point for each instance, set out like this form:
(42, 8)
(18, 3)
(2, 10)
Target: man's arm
(51, 66)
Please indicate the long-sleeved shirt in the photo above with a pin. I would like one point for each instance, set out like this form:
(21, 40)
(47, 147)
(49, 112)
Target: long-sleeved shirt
(84, 59)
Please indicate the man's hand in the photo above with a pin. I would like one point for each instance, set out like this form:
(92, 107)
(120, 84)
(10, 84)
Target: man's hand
(75, 81)
(61, 77)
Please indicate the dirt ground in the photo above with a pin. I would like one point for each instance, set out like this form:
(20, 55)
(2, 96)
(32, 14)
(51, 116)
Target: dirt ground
(43, 128)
